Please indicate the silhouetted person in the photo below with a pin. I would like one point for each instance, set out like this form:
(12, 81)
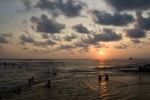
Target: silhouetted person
(5, 64)
(17, 91)
(48, 72)
(32, 78)
(99, 77)
(13, 65)
(106, 77)
(49, 84)
(29, 80)
(54, 73)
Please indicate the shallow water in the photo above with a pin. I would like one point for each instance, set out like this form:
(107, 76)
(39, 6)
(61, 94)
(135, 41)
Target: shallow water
(75, 80)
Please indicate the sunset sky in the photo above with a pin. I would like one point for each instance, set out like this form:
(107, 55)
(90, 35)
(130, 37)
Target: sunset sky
(74, 29)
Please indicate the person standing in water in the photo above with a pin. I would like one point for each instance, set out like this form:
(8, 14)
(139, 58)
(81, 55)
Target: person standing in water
(106, 77)
(49, 84)
(99, 77)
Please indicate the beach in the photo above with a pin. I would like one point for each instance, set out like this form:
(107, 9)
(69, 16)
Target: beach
(75, 80)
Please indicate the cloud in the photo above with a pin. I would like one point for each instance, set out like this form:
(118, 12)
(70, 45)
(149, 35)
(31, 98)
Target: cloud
(81, 44)
(115, 19)
(84, 49)
(27, 39)
(69, 38)
(43, 24)
(121, 5)
(81, 29)
(135, 41)
(50, 42)
(28, 5)
(40, 43)
(107, 35)
(22, 43)
(70, 8)
(55, 37)
(25, 48)
(7, 35)
(122, 46)
(99, 45)
(143, 23)
(135, 33)
(45, 43)
(3, 40)
(45, 36)
(66, 47)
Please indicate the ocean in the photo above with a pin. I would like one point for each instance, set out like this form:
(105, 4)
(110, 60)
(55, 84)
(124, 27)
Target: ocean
(74, 79)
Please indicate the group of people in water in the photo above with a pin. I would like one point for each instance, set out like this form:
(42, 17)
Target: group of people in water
(31, 80)
(144, 68)
(100, 77)
(48, 85)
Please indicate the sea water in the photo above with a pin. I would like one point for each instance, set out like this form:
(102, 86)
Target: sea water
(75, 80)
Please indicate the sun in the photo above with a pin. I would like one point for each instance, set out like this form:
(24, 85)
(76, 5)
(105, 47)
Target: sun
(101, 52)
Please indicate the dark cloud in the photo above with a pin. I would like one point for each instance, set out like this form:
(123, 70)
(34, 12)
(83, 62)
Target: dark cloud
(50, 42)
(50, 6)
(7, 35)
(27, 39)
(55, 37)
(107, 35)
(135, 33)
(99, 45)
(37, 51)
(70, 8)
(22, 43)
(80, 44)
(84, 49)
(43, 24)
(3, 40)
(69, 38)
(25, 48)
(28, 5)
(122, 46)
(45, 43)
(135, 41)
(68, 47)
(81, 29)
(115, 19)
(40, 43)
(143, 23)
(45, 36)
(121, 5)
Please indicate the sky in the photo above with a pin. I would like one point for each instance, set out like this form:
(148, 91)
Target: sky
(74, 29)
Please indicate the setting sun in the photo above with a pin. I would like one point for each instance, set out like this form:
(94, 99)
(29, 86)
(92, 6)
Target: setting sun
(101, 53)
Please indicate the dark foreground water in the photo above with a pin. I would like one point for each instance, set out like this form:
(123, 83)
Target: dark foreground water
(75, 80)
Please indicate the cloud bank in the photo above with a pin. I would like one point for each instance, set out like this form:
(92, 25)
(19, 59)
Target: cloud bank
(43, 24)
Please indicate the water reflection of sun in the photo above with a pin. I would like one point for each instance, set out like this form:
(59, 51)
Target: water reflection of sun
(104, 90)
